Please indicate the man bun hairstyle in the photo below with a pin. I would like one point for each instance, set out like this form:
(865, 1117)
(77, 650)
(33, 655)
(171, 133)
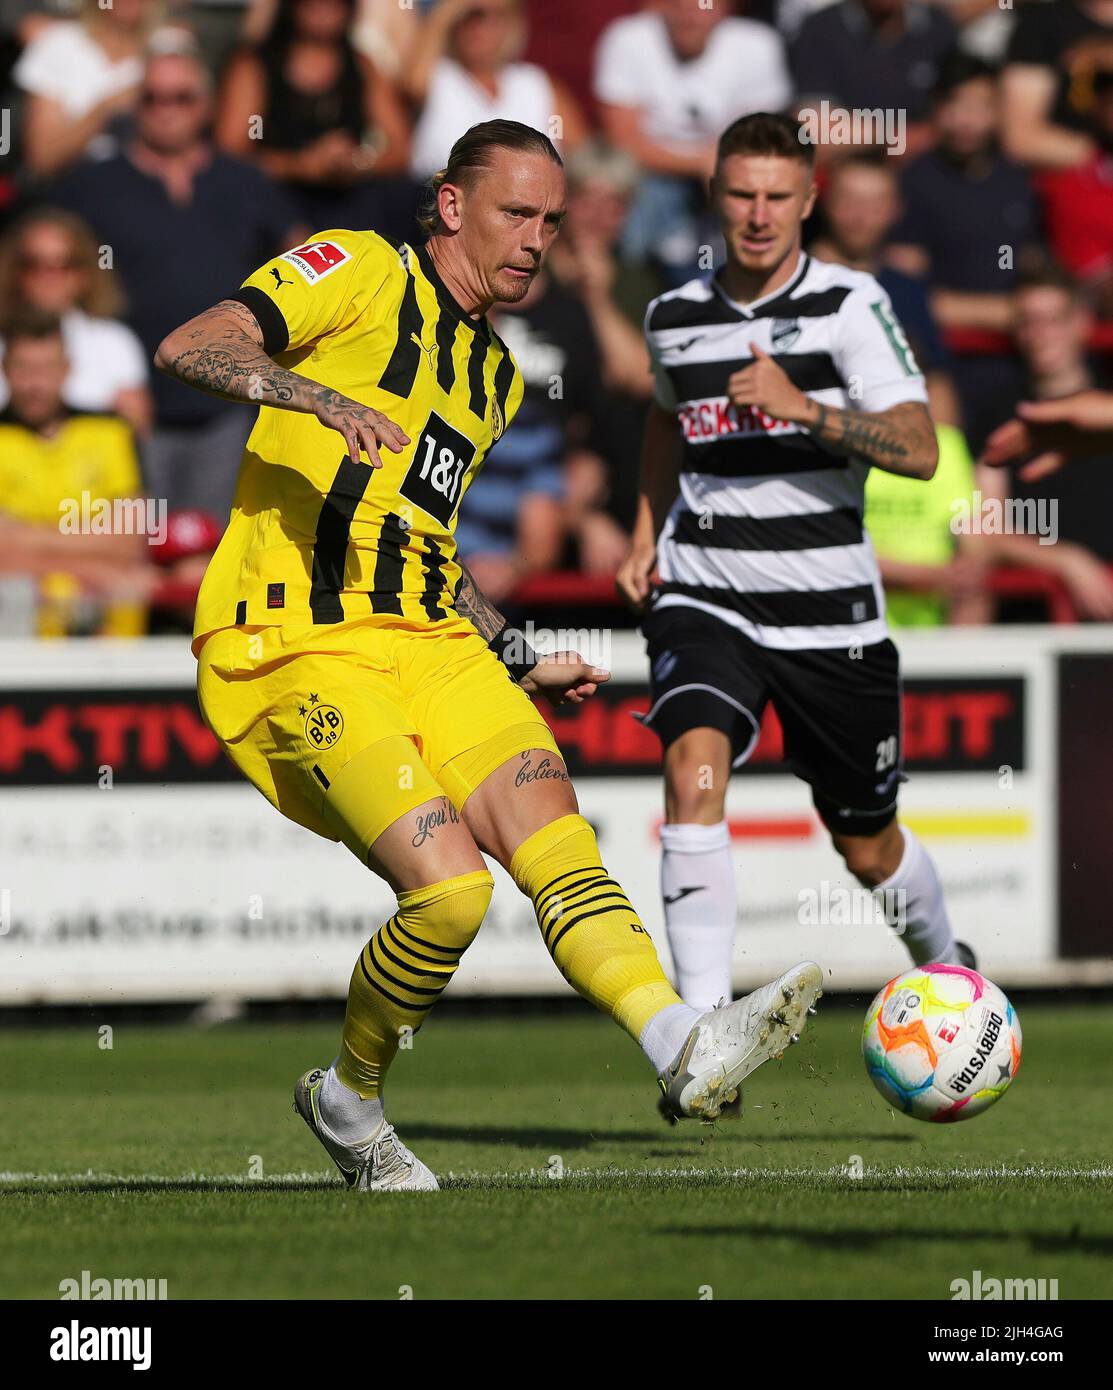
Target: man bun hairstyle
(766, 133)
(473, 153)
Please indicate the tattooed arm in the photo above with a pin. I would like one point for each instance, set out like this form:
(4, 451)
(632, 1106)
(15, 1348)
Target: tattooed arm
(471, 604)
(899, 440)
(221, 352)
(562, 677)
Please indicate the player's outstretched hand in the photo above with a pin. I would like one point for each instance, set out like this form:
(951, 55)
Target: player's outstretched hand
(1054, 431)
(362, 427)
(564, 678)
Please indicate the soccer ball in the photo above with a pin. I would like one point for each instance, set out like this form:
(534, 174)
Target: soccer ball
(941, 1043)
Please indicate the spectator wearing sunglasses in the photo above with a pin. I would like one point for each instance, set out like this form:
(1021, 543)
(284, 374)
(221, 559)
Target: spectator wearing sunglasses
(81, 81)
(184, 225)
(49, 262)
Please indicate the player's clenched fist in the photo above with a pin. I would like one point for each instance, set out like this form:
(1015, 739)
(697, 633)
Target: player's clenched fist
(765, 386)
(362, 427)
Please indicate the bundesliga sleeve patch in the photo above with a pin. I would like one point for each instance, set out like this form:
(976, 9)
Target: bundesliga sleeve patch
(316, 259)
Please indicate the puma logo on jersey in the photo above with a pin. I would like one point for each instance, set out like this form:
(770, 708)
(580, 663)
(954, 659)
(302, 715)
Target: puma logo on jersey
(428, 351)
(278, 280)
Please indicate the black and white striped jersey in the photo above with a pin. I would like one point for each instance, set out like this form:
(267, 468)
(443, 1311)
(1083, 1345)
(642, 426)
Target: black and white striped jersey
(766, 532)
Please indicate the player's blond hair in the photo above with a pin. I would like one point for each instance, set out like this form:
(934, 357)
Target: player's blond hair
(472, 154)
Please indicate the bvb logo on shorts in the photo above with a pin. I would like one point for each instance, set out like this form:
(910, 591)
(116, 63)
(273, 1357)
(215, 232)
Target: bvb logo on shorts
(323, 725)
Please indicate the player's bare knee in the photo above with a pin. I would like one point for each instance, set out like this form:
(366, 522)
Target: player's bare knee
(695, 784)
(869, 858)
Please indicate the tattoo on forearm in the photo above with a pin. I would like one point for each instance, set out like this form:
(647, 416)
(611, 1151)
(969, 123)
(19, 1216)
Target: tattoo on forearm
(893, 438)
(544, 771)
(470, 603)
(228, 362)
(434, 820)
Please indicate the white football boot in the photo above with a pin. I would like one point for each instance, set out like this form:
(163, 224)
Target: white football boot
(730, 1042)
(379, 1163)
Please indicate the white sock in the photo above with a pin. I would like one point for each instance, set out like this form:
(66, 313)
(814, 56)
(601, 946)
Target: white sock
(348, 1116)
(701, 905)
(914, 897)
(663, 1036)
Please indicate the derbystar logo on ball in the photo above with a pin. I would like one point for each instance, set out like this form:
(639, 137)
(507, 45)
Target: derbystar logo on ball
(316, 259)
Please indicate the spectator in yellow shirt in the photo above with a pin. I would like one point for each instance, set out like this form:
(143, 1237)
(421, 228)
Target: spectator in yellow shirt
(66, 479)
(933, 571)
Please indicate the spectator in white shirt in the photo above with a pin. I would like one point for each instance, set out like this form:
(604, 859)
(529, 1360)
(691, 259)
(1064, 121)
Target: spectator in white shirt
(81, 77)
(465, 68)
(668, 81)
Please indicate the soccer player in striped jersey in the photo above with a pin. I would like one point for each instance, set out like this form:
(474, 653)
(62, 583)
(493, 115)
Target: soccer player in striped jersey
(351, 669)
(780, 382)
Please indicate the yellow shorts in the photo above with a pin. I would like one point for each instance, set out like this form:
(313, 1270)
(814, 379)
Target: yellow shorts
(294, 709)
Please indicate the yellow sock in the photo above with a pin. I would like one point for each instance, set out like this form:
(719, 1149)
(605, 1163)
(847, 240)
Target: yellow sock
(402, 972)
(592, 932)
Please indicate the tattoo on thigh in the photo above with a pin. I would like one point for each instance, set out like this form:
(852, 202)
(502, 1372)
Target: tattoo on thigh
(543, 771)
(434, 820)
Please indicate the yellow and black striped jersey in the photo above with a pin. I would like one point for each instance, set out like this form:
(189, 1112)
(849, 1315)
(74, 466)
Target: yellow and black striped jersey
(314, 538)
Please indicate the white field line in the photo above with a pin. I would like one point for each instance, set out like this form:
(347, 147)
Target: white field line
(998, 1173)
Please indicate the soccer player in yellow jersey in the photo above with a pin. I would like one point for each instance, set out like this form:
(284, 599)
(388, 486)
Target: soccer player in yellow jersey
(350, 668)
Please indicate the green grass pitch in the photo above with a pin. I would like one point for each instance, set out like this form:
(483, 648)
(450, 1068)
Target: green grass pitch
(144, 1162)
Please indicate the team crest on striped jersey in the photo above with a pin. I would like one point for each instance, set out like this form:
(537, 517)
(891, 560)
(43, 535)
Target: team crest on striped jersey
(498, 420)
(785, 334)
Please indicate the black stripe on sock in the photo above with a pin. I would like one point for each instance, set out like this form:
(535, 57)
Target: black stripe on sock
(398, 945)
(446, 975)
(574, 899)
(593, 872)
(575, 922)
(402, 984)
(614, 901)
(456, 951)
(545, 900)
(414, 1008)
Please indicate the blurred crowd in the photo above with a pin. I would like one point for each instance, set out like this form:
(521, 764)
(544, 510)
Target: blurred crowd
(153, 152)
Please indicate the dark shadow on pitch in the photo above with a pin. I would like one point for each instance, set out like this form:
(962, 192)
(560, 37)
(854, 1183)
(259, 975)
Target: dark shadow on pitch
(123, 1185)
(532, 1137)
(1039, 1242)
